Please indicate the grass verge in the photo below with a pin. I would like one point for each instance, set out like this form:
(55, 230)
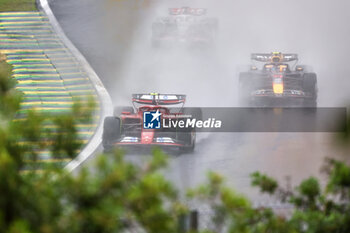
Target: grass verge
(17, 5)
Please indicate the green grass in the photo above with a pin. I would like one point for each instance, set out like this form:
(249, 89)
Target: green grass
(17, 5)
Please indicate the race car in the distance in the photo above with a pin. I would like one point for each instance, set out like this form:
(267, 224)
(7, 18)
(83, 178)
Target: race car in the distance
(128, 127)
(277, 82)
(187, 26)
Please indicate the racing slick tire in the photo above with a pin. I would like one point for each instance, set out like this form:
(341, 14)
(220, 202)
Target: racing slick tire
(120, 109)
(245, 88)
(189, 140)
(310, 86)
(188, 137)
(111, 132)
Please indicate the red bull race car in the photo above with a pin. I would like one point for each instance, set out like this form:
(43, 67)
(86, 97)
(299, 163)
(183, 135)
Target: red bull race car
(184, 26)
(277, 82)
(139, 126)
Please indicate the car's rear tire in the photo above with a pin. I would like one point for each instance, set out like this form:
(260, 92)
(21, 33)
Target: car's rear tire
(111, 132)
(310, 87)
(120, 109)
(188, 136)
(310, 103)
(188, 139)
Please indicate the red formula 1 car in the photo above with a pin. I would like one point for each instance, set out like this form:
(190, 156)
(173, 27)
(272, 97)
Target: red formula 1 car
(140, 126)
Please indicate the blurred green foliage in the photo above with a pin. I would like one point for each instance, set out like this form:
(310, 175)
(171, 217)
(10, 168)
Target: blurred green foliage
(120, 196)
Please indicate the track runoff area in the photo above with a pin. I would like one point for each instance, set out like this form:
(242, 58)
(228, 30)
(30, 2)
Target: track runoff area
(45, 70)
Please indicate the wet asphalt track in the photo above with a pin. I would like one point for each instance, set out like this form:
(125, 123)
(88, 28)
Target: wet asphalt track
(115, 38)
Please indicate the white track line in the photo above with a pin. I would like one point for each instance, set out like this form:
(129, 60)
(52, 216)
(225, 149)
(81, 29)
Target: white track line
(104, 98)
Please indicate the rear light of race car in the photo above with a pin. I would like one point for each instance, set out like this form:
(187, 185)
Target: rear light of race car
(277, 84)
(278, 88)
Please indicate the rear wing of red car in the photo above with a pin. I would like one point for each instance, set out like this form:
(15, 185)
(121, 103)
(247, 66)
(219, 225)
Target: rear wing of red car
(159, 99)
(274, 57)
